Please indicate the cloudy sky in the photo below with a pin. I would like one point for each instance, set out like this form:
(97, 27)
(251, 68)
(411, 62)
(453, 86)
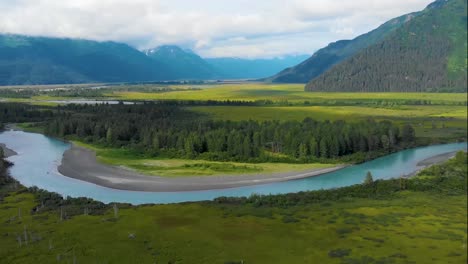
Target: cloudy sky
(212, 28)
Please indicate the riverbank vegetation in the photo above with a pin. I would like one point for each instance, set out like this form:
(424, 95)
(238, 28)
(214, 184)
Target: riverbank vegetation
(417, 220)
(165, 167)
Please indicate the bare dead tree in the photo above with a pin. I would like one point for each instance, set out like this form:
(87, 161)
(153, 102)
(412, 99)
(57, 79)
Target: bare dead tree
(25, 236)
(19, 213)
(74, 256)
(18, 238)
(116, 211)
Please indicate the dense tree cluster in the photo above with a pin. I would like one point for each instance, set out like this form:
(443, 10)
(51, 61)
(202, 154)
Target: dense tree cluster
(18, 113)
(173, 131)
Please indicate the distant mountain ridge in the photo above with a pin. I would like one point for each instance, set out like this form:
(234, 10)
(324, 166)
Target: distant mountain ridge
(428, 53)
(45, 60)
(184, 64)
(336, 52)
(41, 60)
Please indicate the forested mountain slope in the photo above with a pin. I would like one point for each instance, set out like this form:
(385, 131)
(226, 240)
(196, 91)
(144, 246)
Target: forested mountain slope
(41, 60)
(336, 52)
(429, 53)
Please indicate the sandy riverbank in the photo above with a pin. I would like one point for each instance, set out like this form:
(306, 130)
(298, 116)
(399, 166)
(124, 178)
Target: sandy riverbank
(6, 151)
(434, 160)
(80, 163)
(437, 159)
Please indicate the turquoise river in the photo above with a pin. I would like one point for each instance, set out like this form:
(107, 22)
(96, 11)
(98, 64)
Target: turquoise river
(38, 158)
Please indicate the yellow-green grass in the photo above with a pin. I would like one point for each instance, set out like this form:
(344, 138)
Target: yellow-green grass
(40, 102)
(30, 127)
(237, 113)
(278, 92)
(188, 168)
(449, 121)
(409, 228)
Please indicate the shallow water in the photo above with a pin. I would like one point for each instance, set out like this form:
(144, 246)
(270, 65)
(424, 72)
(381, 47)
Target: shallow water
(38, 158)
(92, 102)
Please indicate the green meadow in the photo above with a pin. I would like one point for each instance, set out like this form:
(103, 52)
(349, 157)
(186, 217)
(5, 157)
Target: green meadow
(237, 113)
(190, 168)
(409, 226)
(292, 93)
(277, 92)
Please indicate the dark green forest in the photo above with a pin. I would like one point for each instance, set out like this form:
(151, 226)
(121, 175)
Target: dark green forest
(172, 131)
(427, 54)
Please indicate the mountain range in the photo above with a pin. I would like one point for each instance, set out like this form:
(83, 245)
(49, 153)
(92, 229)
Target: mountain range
(42, 60)
(426, 53)
(336, 52)
(183, 63)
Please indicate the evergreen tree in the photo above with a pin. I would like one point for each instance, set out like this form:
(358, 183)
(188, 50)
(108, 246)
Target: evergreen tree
(369, 179)
(109, 136)
(303, 151)
(408, 133)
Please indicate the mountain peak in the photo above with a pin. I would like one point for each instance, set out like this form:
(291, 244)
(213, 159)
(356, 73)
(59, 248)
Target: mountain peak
(166, 49)
(437, 4)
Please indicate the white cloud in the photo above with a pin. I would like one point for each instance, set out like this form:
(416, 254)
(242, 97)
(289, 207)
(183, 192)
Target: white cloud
(241, 28)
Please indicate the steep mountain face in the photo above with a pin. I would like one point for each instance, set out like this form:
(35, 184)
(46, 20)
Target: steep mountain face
(428, 53)
(184, 64)
(40, 60)
(235, 68)
(336, 52)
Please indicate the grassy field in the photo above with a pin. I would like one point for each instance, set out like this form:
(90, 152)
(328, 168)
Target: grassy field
(237, 113)
(292, 93)
(188, 168)
(279, 92)
(410, 227)
(429, 121)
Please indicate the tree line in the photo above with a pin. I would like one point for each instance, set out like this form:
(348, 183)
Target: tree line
(171, 131)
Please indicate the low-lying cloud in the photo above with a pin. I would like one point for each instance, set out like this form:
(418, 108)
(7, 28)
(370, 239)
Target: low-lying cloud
(213, 28)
